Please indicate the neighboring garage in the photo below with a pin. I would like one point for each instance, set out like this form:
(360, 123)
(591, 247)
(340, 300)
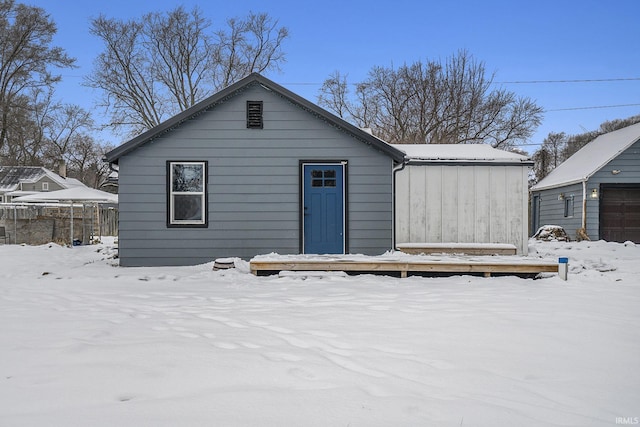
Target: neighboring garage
(620, 213)
(597, 189)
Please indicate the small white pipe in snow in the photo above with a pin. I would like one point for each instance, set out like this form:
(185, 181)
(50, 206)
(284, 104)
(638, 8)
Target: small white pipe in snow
(563, 267)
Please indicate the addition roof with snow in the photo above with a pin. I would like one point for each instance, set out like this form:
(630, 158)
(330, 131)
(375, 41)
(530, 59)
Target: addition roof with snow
(223, 95)
(460, 153)
(590, 158)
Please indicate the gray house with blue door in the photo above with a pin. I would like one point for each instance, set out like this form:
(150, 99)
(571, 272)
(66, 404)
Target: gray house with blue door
(597, 189)
(253, 169)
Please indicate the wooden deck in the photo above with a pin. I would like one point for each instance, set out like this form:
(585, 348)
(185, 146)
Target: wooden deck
(457, 248)
(404, 265)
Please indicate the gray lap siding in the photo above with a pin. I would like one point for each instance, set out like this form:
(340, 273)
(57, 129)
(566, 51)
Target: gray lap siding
(253, 185)
(628, 164)
(552, 207)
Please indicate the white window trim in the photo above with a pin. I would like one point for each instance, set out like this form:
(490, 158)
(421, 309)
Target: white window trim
(45, 186)
(177, 222)
(569, 202)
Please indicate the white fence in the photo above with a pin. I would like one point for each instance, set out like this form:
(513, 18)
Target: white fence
(41, 223)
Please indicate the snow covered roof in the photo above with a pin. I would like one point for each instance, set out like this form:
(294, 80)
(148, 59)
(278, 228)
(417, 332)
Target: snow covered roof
(591, 158)
(72, 182)
(12, 176)
(473, 153)
(77, 193)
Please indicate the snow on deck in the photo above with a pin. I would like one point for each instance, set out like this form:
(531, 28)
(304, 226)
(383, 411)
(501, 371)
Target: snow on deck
(403, 263)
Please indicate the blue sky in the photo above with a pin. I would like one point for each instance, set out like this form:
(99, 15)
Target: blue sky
(521, 41)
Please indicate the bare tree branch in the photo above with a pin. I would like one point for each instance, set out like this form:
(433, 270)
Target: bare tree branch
(434, 102)
(163, 63)
(26, 58)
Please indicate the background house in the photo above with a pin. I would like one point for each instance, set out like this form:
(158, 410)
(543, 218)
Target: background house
(598, 189)
(31, 213)
(16, 181)
(462, 193)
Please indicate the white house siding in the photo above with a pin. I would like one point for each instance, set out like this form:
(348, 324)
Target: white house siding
(254, 185)
(465, 204)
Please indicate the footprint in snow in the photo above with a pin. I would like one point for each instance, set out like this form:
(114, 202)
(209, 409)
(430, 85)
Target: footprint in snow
(302, 374)
(250, 345)
(282, 357)
(379, 308)
(322, 334)
(188, 335)
(278, 329)
(267, 326)
(352, 366)
(224, 320)
(225, 345)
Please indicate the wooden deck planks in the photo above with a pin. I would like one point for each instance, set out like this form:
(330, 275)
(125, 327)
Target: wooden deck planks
(457, 248)
(486, 268)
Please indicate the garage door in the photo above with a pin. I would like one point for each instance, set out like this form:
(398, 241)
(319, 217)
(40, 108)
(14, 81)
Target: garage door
(620, 213)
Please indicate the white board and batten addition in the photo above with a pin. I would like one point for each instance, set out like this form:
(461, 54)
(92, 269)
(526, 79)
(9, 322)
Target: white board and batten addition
(462, 194)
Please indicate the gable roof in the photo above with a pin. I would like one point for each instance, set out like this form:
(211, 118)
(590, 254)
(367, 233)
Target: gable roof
(590, 158)
(460, 153)
(254, 78)
(12, 176)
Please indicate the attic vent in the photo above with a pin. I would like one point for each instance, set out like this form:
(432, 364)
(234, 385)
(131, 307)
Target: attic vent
(254, 114)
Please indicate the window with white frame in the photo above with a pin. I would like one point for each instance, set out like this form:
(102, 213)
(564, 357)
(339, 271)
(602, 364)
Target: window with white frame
(186, 194)
(45, 186)
(568, 207)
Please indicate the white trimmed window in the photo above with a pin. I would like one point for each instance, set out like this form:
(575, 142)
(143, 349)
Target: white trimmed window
(187, 194)
(568, 207)
(45, 186)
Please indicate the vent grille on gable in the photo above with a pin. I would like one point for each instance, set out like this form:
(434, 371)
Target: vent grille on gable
(254, 114)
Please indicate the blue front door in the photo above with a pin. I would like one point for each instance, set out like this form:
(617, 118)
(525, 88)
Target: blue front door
(323, 208)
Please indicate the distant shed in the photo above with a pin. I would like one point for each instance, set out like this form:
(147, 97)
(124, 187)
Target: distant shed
(462, 193)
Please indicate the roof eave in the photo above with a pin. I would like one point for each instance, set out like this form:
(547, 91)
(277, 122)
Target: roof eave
(591, 173)
(559, 184)
(471, 162)
(115, 154)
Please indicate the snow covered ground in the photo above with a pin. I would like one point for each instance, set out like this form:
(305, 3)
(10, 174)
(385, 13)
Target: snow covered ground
(86, 343)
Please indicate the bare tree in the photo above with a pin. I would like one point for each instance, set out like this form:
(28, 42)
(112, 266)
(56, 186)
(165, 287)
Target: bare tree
(124, 73)
(85, 160)
(25, 129)
(434, 102)
(26, 58)
(23, 136)
(555, 144)
(558, 147)
(164, 63)
(550, 154)
(253, 44)
(64, 123)
(542, 164)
